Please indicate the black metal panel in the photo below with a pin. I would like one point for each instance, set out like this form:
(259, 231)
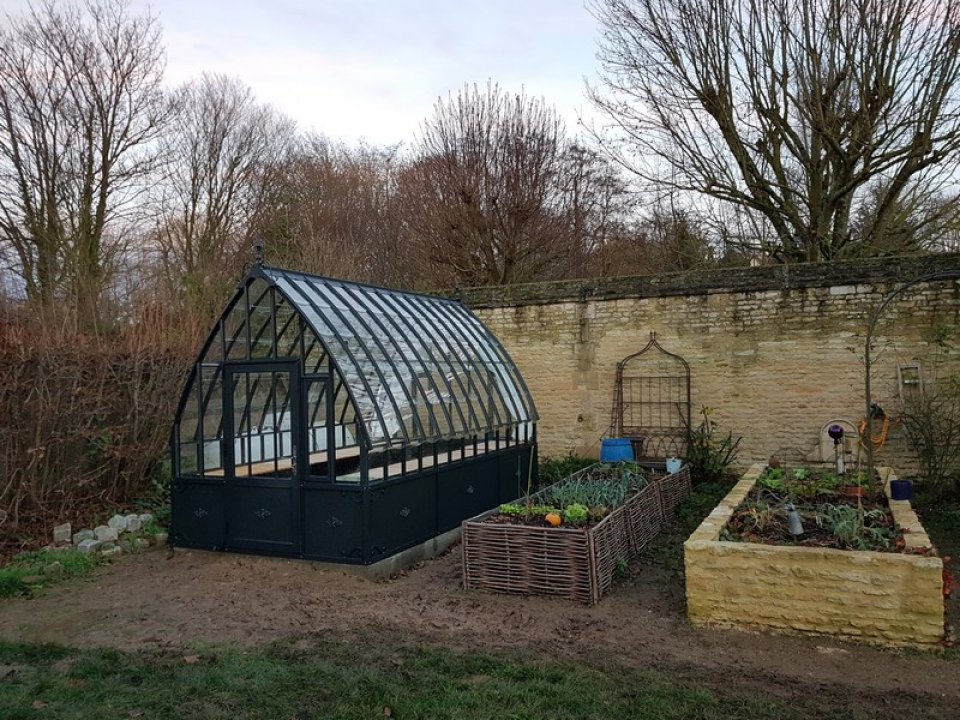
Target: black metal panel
(466, 489)
(402, 514)
(263, 517)
(196, 515)
(332, 523)
(262, 499)
(512, 469)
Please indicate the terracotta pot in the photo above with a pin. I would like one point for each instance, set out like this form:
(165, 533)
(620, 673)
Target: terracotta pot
(853, 491)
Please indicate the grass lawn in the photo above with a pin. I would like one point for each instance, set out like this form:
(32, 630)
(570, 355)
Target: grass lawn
(372, 673)
(30, 572)
(346, 680)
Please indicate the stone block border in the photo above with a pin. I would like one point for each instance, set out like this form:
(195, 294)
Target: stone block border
(880, 597)
(121, 534)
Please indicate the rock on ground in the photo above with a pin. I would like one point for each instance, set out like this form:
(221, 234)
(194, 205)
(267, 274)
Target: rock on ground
(81, 535)
(106, 534)
(88, 546)
(62, 533)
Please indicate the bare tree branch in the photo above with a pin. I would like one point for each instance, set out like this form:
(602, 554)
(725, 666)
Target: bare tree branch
(787, 109)
(80, 107)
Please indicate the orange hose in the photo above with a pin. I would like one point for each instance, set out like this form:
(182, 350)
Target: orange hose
(877, 440)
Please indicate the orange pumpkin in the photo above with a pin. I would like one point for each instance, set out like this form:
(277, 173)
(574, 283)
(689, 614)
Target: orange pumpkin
(553, 519)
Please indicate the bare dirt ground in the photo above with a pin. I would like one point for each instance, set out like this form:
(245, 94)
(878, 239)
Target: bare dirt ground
(197, 598)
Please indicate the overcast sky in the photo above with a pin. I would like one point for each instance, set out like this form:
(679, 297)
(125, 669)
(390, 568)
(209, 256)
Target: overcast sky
(373, 69)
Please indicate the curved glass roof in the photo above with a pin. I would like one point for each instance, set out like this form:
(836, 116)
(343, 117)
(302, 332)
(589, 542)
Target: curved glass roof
(418, 368)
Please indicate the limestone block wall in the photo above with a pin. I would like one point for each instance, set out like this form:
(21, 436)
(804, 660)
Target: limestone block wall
(775, 351)
(882, 597)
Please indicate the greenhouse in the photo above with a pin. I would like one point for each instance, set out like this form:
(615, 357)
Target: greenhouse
(342, 422)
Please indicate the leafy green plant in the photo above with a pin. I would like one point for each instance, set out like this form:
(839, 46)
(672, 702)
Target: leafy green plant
(603, 486)
(710, 454)
(801, 474)
(854, 529)
(827, 483)
(161, 514)
(575, 514)
(772, 479)
(623, 568)
(555, 469)
(704, 498)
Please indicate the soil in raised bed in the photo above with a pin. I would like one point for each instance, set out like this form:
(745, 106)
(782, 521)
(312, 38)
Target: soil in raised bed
(596, 513)
(762, 516)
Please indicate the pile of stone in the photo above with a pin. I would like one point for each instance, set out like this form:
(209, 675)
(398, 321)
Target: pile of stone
(122, 533)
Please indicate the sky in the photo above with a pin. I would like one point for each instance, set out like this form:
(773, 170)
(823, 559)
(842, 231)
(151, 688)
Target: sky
(373, 69)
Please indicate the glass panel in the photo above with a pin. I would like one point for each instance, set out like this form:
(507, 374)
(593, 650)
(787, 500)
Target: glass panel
(317, 398)
(188, 459)
(354, 365)
(288, 329)
(235, 331)
(315, 360)
(189, 416)
(215, 350)
(263, 423)
(187, 431)
(418, 368)
(212, 386)
(261, 320)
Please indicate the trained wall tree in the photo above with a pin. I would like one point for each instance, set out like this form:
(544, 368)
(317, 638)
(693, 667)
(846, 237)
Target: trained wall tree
(80, 107)
(796, 111)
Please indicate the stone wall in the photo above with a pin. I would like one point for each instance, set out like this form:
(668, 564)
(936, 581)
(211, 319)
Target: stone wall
(882, 597)
(775, 351)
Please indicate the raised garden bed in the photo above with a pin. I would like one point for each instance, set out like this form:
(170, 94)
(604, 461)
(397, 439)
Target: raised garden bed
(513, 553)
(842, 512)
(892, 594)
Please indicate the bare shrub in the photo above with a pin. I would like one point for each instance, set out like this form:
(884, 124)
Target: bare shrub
(86, 418)
(931, 420)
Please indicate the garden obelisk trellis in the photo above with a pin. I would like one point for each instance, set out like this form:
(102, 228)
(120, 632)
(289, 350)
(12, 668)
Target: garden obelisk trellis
(651, 403)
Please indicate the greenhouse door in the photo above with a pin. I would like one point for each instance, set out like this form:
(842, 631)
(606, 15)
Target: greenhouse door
(263, 419)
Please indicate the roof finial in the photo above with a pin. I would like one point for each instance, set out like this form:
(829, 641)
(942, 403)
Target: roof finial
(258, 253)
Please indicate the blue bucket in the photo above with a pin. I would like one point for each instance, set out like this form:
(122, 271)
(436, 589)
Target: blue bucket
(901, 490)
(615, 450)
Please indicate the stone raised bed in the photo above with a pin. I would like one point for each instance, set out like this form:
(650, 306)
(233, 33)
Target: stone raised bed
(576, 563)
(881, 597)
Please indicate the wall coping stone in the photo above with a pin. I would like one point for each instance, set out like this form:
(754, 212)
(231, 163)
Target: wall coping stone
(846, 274)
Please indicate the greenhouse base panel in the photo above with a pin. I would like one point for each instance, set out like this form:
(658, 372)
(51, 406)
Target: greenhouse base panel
(346, 523)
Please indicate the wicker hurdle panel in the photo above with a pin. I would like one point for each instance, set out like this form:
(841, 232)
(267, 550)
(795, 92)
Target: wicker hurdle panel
(577, 563)
(611, 543)
(644, 517)
(674, 489)
(525, 560)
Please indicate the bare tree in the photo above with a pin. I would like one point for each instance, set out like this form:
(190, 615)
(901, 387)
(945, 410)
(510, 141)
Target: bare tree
(224, 150)
(597, 208)
(484, 193)
(80, 107)
(333, 213)
(789, 109)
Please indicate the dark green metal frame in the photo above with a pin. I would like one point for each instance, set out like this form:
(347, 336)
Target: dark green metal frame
(431, 400)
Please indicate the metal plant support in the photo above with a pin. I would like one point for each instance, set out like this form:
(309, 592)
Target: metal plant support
(652, 401)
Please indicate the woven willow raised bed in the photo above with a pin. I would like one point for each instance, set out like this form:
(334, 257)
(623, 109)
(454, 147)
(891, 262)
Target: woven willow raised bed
(576, 563)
